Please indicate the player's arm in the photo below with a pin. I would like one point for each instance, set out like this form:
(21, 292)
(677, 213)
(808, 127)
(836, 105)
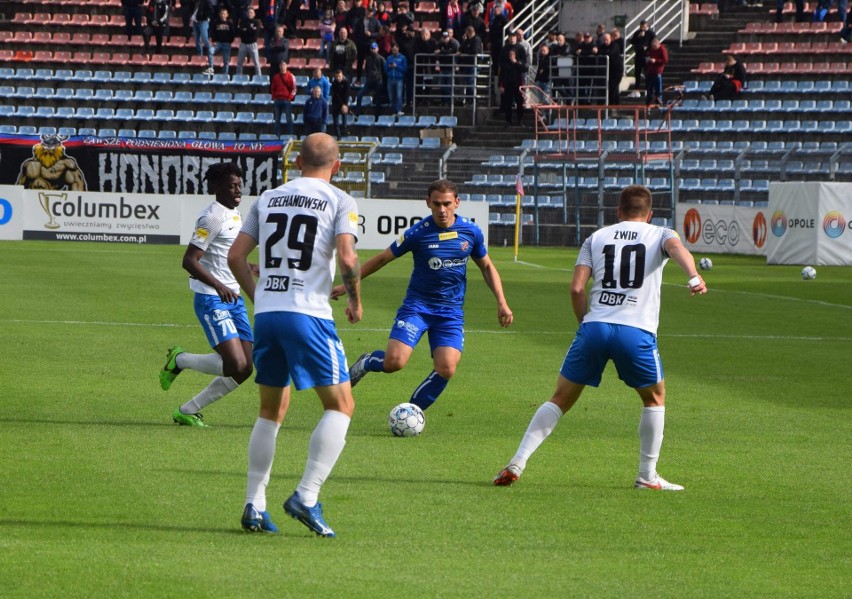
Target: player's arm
(492, 279)
(683, 257)
(350, 272)
(375, 263)
(191, 264)
(579, 300)
(238, 262)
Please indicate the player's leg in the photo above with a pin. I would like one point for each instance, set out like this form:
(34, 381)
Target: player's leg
(229, 325)
(446, 341)
(274, 386)
(445, 360)
(583, 365)
(638, 363)
(321, 364)
(408, 328)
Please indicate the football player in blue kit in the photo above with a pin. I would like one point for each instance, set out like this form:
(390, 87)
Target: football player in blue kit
(441, 245)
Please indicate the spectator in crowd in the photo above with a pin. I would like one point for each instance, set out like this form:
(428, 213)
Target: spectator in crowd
(496, 21)
(223, 33)
(496, 8)
(470, 48)
(512, 74)
(512, 45)
(396, 68)
(404, 17)
(800, 10)
(656, 60)
(452, 18)
(383, 16)
(374, 73)
(473, 18)
(132, 10)
(341, 18)
(268, 11)
(608, 53)
(385, 41)
(360, 37)
(185, 10)
(586, 55)
(278, 50)
(248, 30)
(527, 47)
(846, 32)
(343, 53)
(283, 86)
(448, 49)
(598, 38)
(326, 31)
(315, 112)
(560, 47)
(542, 71)
(731, 81)
(406, 48)
(157, 15)
(426, 45)
(319, 80)
(641, 41)
(340, 93)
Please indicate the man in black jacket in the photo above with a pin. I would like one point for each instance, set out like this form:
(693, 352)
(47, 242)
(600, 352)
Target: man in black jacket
(641, 41)
(223, 32)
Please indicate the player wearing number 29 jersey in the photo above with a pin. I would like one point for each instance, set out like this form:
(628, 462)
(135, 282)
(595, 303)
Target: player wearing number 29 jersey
(618, 322)
(301, 228)
(298, 223)
(627, 262)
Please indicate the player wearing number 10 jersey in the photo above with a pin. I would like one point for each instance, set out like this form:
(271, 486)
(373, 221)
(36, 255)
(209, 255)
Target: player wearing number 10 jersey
(298, 228)
(618, 322)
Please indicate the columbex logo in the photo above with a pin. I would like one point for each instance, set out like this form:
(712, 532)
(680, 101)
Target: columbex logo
(834, 224)
(780, 223)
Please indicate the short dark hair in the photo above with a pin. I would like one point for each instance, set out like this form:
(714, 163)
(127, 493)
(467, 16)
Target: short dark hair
(442, 186)
(217, 173)
(635, 201)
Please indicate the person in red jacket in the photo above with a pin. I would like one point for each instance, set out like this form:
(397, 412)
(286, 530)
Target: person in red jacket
(283, 88)
(656, 59)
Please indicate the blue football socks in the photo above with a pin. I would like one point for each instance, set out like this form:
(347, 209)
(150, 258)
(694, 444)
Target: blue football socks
(429, 390)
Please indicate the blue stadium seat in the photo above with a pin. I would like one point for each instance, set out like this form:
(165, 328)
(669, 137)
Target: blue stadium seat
(46, 130)
(107, 132)
(164, 96)
(27, 130)
(227, 136)
(84, 131)
(146, 134)
(67, 131)
(167, 134)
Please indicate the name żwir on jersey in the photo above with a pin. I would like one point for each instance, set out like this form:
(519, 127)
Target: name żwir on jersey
(70, 208)
(296, 201)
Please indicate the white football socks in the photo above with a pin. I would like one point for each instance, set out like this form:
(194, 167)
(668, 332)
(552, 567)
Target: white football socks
(261, 452)
(217, 389)
(651, 425)
(206, 363)
(542, 424)
(325, 447)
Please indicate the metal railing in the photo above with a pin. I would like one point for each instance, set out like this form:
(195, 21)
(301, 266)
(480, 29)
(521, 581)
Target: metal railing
(452, 80)
(668, 19)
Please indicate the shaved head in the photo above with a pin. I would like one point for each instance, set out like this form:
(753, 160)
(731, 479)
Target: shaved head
(319, 150)
(319, 156)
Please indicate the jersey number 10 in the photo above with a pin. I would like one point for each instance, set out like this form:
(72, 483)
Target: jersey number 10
(628, 278)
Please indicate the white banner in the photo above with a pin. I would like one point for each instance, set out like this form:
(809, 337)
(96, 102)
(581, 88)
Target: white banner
(11, 211)
(104, 217)
(170, 219)
(723, 229)
(810, 223)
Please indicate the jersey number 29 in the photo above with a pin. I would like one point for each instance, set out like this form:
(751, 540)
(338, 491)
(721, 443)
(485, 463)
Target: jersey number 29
(301, 236)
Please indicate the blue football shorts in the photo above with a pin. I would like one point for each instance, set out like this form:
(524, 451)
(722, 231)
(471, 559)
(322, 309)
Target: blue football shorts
(633, 351)
(222, 321)
(445, 330)
(306, 348)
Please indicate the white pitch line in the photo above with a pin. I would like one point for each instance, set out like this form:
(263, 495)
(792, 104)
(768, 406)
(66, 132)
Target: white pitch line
(357, 329)
(717, 290)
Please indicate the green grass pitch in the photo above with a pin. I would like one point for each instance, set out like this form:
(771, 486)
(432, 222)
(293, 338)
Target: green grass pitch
(102, 496)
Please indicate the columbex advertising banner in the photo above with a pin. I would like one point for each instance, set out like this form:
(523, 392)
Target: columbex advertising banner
(723, 229)
(810, 223)
(170, 219)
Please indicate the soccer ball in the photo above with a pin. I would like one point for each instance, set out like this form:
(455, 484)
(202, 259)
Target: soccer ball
(808, 273)
(406, 420)
(705, 264)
